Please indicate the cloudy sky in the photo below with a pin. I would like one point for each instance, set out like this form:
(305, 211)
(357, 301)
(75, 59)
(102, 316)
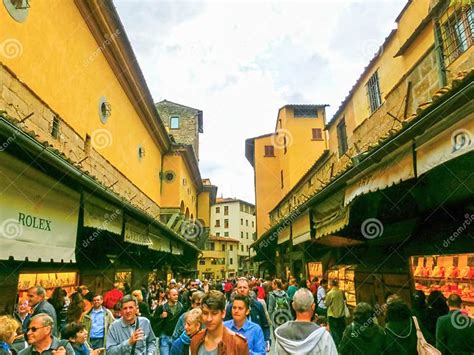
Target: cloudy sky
(240, 61)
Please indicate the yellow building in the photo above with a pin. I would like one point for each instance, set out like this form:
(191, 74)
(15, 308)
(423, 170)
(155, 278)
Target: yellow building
(388, 196)
(281, 158)
(219, 259)
(86, 160)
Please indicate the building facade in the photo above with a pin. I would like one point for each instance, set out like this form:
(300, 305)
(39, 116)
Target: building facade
(219, 259)
(388, 205)
(235, 218)
(84, 154)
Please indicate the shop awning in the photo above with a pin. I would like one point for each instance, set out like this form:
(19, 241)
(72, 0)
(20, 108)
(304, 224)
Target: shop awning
(38, 215)
(176, 248)
(159, 243)
(301, 229)
(330, 215)
(137, 233)
(284, 235)
(393, 169)
(454, 141)
(101, 215)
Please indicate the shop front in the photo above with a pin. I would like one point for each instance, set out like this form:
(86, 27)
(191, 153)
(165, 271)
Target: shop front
(38, 228)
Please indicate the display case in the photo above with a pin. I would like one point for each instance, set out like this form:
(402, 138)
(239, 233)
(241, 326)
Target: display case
(49, 281)
(446, 273)
(315, 269)
(345, 274)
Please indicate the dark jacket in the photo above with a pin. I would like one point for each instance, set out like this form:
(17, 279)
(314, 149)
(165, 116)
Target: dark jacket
(257, 315)
(231, 344)
(54, 346)
(46, 307)
(455, 334)
(401, 338)
(365, 339)
(166, 325)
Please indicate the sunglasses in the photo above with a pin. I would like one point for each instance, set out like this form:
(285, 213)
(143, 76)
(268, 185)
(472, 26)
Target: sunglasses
(34, 329)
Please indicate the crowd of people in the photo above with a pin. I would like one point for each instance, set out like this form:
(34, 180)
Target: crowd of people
(239, 316)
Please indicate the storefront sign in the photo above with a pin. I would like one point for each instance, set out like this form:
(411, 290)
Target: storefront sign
(38, 215)
(137, 233)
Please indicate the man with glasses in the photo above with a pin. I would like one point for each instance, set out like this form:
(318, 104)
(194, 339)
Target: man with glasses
(41, 339)
(36, 298)
(97, 322)
(196, 299)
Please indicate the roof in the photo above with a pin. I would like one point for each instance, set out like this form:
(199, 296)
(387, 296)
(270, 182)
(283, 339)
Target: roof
(192, 109)
(220, 200)
(222, 239)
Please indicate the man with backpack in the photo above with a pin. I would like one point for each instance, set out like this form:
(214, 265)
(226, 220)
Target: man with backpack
(279, 305)
(164, 320)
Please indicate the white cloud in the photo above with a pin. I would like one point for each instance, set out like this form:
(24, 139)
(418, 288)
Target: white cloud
(240, 62)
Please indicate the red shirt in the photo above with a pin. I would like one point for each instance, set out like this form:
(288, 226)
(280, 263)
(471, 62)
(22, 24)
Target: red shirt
(112, 297)
(228, 287)
(314, 287)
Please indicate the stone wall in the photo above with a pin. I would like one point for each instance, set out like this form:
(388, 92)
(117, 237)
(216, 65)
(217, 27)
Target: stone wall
(19, 102)
(188, 132)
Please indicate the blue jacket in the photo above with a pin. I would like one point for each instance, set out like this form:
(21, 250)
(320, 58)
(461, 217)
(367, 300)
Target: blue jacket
(181, 345)
(253, 333)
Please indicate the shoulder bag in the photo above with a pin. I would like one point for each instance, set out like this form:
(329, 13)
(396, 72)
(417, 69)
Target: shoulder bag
(422, 346)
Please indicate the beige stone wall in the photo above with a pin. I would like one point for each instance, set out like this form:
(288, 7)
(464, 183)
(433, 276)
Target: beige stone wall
(188, 124)
(18, 102)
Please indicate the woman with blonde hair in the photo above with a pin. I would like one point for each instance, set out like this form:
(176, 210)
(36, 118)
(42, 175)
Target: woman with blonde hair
(192, 325)
(143, 307)
(8, 328)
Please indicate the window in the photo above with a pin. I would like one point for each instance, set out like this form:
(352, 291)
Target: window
(284, 145)
(247, 222)
(305, 111)
(342, 136)
(247, 235)
(373, 92)
(242, 235)
(248, 248)
(226, 210)
(218, 210)
(269, 151)
(317, 134)
(55, 128)
(231, 261)
(223, 247)
(253, 224)
(174, 122)
(241, 247)
(231, 247)
(226, 234)
(202, 261)
(210, 246)
(457, 31)
(255, 236)
(226, 223)
(218, 223)
(218, 234)
(281, 178)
